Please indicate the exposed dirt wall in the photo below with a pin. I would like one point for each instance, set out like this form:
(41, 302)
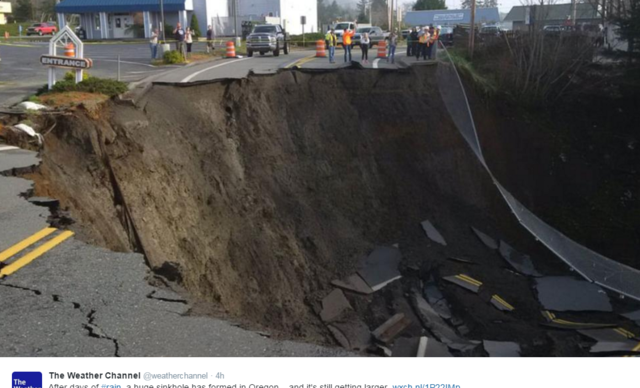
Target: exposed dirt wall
(263, 190)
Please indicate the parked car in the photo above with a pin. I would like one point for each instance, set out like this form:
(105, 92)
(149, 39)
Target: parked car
(42, 29)
(489, 31)
(446, 36)
(268, 38)
(376, 35)
(552, 29)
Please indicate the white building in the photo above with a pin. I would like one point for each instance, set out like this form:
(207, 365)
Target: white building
(5, 8)
(117, 19)
(289, 12)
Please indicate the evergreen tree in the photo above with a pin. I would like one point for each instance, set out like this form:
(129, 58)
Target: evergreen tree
(423, 5)
(362, 8)
(629, 23)
(490, 4)
(23, 11)
(195, 27)
(465, 4)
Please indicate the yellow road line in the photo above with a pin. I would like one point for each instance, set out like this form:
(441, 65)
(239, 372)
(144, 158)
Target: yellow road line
(469, 279)
(301, 62)
(637, 348)
(31, 256)
(26, 243)
(623, 332)
(503, 302)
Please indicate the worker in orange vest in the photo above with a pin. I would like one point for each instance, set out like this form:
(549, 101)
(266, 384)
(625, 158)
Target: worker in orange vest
(346, 43)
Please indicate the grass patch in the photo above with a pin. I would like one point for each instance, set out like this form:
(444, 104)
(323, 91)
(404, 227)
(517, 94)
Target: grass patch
(466, 69)
(89, 84)
(13, 29)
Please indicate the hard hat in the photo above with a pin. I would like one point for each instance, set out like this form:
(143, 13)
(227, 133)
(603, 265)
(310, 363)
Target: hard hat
(439, 27)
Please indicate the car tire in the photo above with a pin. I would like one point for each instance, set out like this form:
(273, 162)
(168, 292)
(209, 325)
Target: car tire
(249, 53)
(286, 49)
(262, 53)
(276, 52)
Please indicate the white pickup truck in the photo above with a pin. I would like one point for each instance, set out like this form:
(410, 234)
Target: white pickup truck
(340, 27)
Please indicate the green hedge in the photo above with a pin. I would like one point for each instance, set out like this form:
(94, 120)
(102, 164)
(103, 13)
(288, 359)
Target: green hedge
(308, 37)
(172, 57)
(12, 28)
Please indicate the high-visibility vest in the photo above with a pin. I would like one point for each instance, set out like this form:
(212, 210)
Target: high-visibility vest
(332, 39)
(424, 38)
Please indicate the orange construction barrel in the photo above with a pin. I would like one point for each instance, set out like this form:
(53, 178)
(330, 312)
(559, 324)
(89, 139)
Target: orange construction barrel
(320, 49)
(69, 50)
(382, 49)
(6, 34)
(231, 49)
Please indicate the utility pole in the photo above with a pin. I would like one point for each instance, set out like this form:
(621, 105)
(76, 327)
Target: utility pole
(164, 35)
(472, 31)
(235, 22)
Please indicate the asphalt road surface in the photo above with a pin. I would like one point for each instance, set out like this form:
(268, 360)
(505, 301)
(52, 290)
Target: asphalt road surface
(73, 299)
(21, 73)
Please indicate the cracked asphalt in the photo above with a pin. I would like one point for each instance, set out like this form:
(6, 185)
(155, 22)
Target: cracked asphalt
(81, 300)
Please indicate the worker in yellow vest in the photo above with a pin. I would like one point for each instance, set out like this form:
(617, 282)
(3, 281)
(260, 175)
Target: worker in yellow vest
(423, 40)
(332, 42)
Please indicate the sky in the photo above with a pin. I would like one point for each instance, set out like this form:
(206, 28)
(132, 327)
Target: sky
(505, 5)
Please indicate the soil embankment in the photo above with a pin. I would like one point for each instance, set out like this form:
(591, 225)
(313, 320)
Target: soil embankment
(255, 194)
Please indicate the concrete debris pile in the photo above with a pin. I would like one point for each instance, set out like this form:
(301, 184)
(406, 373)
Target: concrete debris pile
(432, 327)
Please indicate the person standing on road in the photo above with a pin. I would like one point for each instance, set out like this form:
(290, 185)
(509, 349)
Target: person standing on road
(179, 35)
(210, 47)
(332, 41)
(188, 39)
(346, 43)
(423, 39)
(413, 43)
(393, 43)
(153, 44)
(365, 43)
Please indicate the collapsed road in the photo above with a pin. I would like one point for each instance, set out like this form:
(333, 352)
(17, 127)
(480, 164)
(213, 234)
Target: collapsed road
(296, 203)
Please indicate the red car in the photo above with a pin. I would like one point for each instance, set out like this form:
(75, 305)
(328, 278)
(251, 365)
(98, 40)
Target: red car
(42, 29)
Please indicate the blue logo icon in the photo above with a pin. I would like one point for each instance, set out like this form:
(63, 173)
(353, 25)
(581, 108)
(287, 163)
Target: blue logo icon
(26, 380)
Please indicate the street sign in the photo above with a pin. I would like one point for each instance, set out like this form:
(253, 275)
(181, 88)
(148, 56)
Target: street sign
(303, 20)
(66, 62)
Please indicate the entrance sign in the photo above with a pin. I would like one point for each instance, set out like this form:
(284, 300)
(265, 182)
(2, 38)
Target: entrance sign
(61, 40)
(70, 63)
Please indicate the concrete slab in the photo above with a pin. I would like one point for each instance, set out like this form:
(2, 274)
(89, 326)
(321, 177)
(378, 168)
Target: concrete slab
(633, 316)
(433, 233)
(381, 267)
(501, 349)
(498, 302)
(354, 283)
(519, 261)
(563, 293)
(333, 305)
(350, 332)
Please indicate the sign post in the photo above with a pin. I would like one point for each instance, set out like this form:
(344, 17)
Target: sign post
(303, 21)
(76, 62)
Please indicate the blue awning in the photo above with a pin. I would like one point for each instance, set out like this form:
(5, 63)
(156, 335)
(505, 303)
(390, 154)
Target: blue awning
(117, 6)
(451, 17)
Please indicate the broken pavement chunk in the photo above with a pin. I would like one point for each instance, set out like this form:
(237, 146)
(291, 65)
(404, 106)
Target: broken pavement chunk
(465, 281)
(430, 347)
(616, 346)
(389, 330)
(609, 335)
(633, 316)
(433, 233)
(436, 299)
(563, 293)
(381, 267)
(554, 321)
(333, 305)
(350, 332)
(488, 241)
(519, 261)
(501, 349)
(432, 321)
(353, 283)
(501, 304)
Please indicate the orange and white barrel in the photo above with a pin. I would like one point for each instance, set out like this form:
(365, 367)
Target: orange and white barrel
(320, 49)
(70, 50)
(382, 49)
(231, 49)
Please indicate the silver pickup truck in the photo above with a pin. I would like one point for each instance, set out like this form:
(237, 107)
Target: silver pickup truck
(268, 38)
(376, 35)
